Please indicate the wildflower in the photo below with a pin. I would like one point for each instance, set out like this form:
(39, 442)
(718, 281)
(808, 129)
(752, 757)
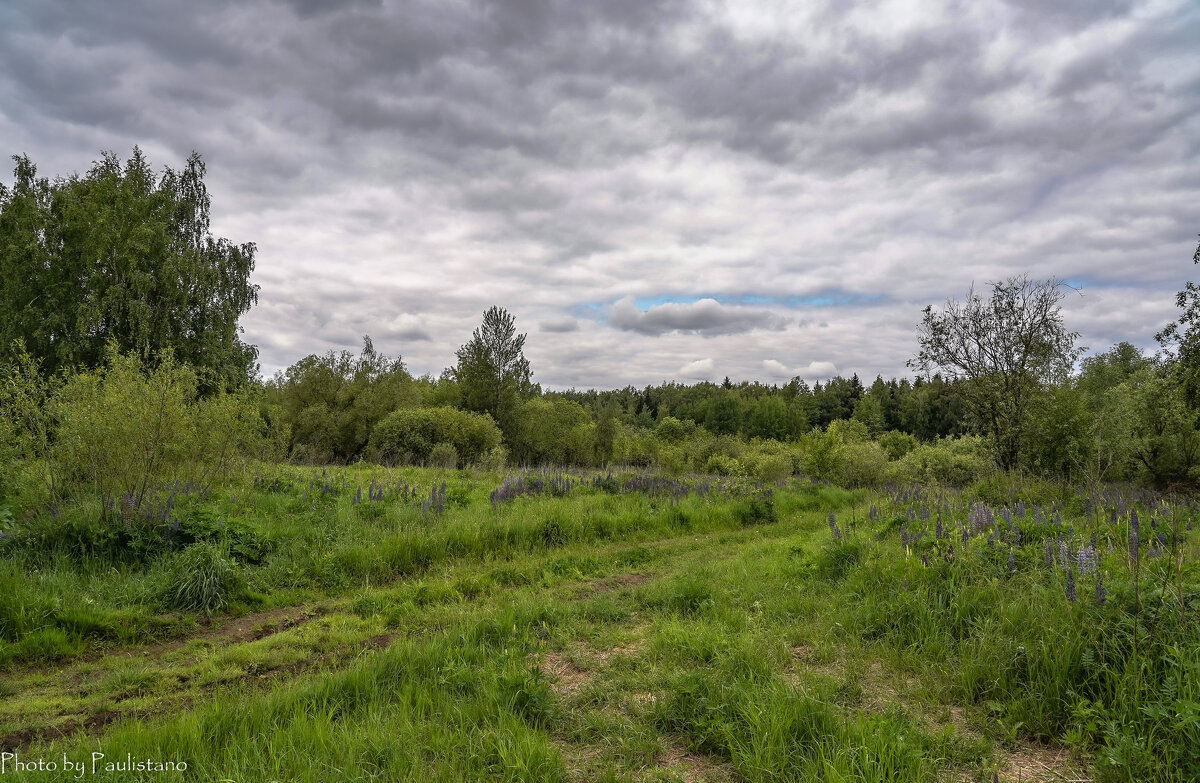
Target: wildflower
(833, 529)
(1101, 593)
(1071, 596)
(1064, 552)
(1087, 559)
(1012, 562)
(1049, 554)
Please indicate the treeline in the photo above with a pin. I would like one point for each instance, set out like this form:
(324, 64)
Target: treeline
(122, 309)
(1122, 417)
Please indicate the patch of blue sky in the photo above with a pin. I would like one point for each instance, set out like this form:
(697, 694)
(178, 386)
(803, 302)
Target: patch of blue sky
(832, 298)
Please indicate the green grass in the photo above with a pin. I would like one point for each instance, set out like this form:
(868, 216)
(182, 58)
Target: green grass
(606, 637)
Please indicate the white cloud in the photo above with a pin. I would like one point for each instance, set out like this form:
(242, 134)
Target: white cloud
(701, 370)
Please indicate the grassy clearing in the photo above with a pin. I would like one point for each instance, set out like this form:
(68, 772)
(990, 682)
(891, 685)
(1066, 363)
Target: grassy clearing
(592, 634)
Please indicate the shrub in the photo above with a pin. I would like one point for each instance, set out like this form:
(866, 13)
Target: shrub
(720, 465)
(409, 434)
(774, 467)
(635, 446)
(862, 465)
(202, 579)
(122, 430)
(896, 444)
(954, 462)
(495, 460)
(822, 454)
(756, 510)
(444, 455)
(670, 430)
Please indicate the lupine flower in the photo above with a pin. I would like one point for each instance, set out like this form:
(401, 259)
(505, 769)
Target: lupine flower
(1049, 554)
(833, 529)
(1134, 536)
(1064, 552)
(1012, 562)
(1071, 596)
(1087, 560)
(1101, 593)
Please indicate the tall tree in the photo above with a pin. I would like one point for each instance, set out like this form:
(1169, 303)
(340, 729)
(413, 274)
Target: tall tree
(1004, 349)
(1181, 338)
(122, 256)
(492, 370)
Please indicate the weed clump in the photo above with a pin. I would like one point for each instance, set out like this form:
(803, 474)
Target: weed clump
(202, 579)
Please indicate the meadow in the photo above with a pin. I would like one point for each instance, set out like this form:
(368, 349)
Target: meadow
(363, 623)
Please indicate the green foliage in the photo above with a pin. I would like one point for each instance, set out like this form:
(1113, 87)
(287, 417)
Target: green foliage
(410, 434)
(769, 419)
(896, 444)
(724, 414)
(122, 431)
(1181, 338)
(1005, 348)
(869, 411)
(121, 256)
(327, 407)
(554, 431)
(670, 430)
(953, 462)
(1059, 439)
(202, 579)
(822, 454)
(721, 465)
(862, 464)
(758, 509)
(492, 371)
(444, 455)
(774, 467)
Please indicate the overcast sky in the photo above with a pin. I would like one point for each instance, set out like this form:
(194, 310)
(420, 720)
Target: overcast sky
(655, 189)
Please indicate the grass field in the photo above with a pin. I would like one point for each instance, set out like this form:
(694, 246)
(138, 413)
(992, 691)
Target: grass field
(363, 624)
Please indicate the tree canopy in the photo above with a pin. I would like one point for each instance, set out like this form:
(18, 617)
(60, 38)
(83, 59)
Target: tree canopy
(492, 371)
(121, 256)
(1004, 347)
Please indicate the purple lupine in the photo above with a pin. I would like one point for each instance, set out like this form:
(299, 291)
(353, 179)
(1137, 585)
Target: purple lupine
(1071, 596)
(1134, 535)
(1012, 562)
(833, 529)
(1101, 593)
(1064, 552)
(1087, 559)
(1049, 553)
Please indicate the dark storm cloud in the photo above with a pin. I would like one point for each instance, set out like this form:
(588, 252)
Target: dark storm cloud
(403, 165)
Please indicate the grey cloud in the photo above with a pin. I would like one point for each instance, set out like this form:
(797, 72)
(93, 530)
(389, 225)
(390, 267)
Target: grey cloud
(432, 159)
(704, 317)
(560, 326)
